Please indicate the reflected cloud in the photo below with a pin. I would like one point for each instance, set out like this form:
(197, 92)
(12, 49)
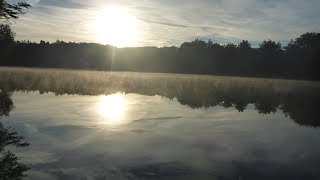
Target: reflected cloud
(167, 25)
(112, 108)
(158, 170)
(165, 141)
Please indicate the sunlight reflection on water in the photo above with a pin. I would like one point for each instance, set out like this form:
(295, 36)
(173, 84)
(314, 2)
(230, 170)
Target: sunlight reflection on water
(132, 136)
(113, 108)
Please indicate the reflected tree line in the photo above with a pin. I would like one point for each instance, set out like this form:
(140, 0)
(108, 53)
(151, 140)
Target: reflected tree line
(301, 108)
(300, 103)
(10, 167)
(298, 60)
(298, 100)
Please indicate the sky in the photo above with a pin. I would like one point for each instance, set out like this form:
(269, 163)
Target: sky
(171, 22)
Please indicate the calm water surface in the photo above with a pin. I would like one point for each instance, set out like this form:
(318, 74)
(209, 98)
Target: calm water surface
(131, 136)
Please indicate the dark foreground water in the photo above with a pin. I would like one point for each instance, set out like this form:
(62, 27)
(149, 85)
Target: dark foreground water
(151, 137)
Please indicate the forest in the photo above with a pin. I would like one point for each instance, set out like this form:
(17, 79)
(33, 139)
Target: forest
(298, 60)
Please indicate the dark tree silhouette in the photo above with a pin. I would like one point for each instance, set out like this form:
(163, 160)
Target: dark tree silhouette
(308, 40)
(244, 45)
(6, 34)
(303, 55)
(8, 11)
(299, 60)
(10, 167)
(6, 41)
(270, 48)
(6, 104)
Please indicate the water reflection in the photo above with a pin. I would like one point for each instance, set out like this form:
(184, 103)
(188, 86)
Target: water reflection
(169, 170)
(162, 139)
(112, 108)
(6, 103)
(198, 127)
(298, 99)
(10, 166)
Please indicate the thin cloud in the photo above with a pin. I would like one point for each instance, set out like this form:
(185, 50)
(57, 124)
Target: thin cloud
(164, 23)
(170, 22)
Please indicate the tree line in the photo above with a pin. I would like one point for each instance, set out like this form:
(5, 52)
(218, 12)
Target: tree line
(298, 60)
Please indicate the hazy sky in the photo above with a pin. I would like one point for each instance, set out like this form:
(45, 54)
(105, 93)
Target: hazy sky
(170, 22)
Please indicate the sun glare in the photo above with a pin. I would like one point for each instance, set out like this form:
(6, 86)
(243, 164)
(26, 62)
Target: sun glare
(112, 108)
(115, 26)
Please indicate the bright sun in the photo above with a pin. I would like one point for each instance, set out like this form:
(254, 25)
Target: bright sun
(112, 108)
(115, 26)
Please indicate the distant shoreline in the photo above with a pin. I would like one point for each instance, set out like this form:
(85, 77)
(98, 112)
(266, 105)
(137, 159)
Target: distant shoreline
(298, 60)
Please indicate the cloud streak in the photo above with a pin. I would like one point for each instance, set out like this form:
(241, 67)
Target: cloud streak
(172, 22)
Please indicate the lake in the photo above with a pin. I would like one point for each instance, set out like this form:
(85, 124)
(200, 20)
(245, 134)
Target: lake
(124, 125)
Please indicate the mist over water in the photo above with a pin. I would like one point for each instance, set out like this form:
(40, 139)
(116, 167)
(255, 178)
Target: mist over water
(121, 91)
(96, 125)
